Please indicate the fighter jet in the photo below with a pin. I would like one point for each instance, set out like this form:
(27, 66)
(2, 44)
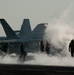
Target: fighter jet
(25, 35)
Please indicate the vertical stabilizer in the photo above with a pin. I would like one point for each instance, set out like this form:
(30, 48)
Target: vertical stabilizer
(8, 30)
(40, 28)
(39, 31)
(25, 29)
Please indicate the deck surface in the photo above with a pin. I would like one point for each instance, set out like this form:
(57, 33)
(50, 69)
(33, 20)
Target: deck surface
(18, 69)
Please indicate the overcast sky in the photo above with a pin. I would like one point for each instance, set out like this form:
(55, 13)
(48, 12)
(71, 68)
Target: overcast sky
(38, 11)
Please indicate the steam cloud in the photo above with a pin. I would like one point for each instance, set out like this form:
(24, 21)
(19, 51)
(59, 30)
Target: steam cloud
(59, 33)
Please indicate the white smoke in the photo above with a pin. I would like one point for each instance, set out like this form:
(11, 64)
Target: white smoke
(59, 33)
(39, 59)
(44, 59)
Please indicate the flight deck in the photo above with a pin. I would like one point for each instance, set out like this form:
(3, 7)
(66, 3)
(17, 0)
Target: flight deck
(19, 69)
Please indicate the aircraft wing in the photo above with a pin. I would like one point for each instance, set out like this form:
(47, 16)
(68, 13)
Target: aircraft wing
(8, 40)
